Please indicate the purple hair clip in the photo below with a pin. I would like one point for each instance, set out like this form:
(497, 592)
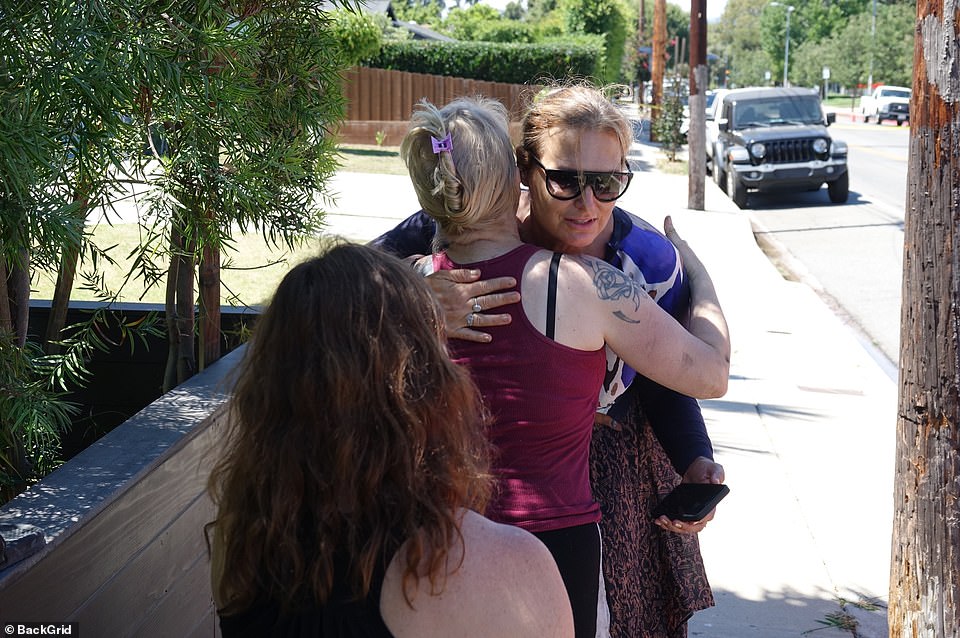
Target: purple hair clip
(439, 146)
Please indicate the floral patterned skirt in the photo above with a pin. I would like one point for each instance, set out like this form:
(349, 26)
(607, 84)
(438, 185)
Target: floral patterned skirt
(655, 580)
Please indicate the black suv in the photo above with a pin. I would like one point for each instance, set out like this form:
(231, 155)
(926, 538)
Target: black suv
(772, 139)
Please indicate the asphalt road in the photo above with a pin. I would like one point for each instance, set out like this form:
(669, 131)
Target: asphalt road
(852, 254)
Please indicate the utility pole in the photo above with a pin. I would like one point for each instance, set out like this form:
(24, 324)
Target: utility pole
(696, 135)
(925, 557)
(658, 59)
(641, 38)
(641, 22)
(873, 44)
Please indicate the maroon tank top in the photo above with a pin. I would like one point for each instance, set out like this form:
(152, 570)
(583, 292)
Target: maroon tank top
(542, 396)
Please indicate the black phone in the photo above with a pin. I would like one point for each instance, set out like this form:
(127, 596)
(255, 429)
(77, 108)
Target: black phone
(691, 501)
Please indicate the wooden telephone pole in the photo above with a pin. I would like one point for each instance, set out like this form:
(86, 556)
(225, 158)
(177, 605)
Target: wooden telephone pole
(641, 39)
(697, 134)
(658, 59)
(925, 560)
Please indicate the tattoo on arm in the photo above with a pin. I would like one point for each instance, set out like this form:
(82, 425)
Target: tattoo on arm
(613, 284)
(622, 317)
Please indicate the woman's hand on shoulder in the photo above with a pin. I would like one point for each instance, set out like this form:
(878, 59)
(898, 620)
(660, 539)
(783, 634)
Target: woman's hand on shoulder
(465, 298)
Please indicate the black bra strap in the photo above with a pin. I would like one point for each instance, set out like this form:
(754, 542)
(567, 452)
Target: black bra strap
(552, 294)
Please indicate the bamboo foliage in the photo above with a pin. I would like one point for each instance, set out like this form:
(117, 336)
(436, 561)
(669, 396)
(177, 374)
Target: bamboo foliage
(204, 118)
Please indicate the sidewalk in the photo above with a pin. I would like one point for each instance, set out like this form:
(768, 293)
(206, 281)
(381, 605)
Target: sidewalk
(805, 432)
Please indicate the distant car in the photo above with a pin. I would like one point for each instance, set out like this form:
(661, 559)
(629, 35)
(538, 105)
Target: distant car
(714, 99)
(776, 139)
(711, 98)
(887, 103)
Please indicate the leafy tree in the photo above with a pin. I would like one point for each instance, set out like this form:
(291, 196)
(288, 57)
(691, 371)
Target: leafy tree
(736, 39)
(235, 103)
(773, 33)
(538, 9)
(428, 13)
(358, 34)
(893, 47)
(808, 60)
(246, 143)
(666, 126)
(548, 26)
(816, 21)
(810, 22)
(848, 52)
(467, 24)
(62, 145)
(388, 32)
(508, 31)
(514, 11)
(751, 34)
(602, 17)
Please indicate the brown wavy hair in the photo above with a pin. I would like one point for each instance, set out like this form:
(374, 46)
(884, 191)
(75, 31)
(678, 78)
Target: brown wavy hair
(351, 431)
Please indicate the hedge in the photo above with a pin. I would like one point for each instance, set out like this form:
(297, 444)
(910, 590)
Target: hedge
(494, 61)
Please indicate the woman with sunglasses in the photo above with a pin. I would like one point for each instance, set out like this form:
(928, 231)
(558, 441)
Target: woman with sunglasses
(647, 437)
(541, 374)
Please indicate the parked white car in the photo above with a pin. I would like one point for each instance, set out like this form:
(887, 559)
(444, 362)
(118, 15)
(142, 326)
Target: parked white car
(887, 103)
(710, 122)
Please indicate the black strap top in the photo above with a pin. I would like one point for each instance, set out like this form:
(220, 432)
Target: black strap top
(340, 617)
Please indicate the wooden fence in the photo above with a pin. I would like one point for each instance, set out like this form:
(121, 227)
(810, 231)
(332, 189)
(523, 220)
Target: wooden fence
(382, 101)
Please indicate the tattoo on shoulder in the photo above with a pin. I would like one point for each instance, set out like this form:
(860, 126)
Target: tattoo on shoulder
(613, 284)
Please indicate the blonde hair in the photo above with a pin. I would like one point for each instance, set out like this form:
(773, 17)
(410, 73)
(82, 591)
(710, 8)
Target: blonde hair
(571, 107)
(475, 182)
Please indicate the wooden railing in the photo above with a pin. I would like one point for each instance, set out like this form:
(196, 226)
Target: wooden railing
(125, 552)
(382, 101)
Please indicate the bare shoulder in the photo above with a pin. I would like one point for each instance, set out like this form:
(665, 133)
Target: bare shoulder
(505, 542)
(504, 582)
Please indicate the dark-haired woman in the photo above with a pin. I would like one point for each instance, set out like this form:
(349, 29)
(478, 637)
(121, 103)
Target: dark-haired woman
(354, 468)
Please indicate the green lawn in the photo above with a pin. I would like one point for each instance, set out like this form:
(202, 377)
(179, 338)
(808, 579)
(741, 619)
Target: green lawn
(250, 271)
(842, 101)
(372, 159)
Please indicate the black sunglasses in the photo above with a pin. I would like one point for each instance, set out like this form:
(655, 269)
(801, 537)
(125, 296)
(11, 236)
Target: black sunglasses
(567, 185)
